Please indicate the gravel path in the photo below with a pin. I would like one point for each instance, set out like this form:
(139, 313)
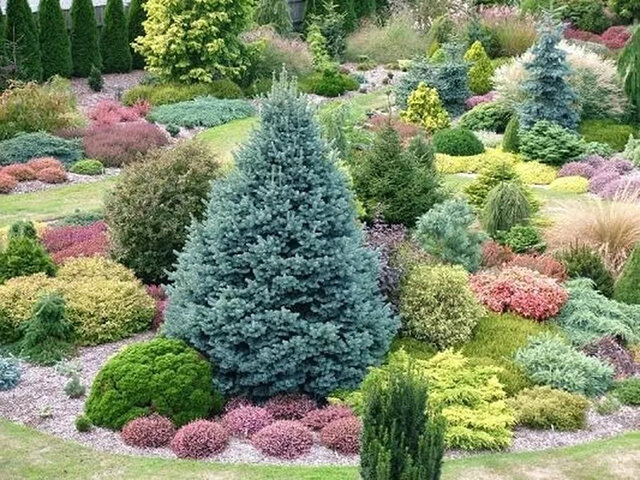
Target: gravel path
(39, 401)
(115, 84)
(72, 179)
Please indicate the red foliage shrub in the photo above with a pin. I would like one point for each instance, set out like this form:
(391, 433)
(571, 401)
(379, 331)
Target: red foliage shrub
(291, 406)
(615, 37)
(7, 183)
(148, 432)
(109, 112)
(284, 439)
(321, 417)
(237, 402)
(582, 35)
(52, 175)
(119, 144)
(159, 294)
(200, 439)
(406, 131)
(544, 264)
(19, 171)
(244, 422)
(342, 435)
(495, 255)
(76, 241)
(37, 164)
(521, 291)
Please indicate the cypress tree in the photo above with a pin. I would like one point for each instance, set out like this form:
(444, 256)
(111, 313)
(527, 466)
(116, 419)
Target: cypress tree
(114, 42)
(22, 34)
(511, 140)
(137, 16)
(627, 287)
(275, 285)
(85, 51)
(629, 70)
(54, 40)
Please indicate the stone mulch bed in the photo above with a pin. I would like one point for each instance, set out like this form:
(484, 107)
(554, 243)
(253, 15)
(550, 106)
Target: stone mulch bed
(115, 84)
(72, 179)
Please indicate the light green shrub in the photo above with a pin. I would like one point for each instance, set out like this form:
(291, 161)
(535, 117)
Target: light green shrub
(474, 163)
(546, 408)
(627, 287)
(632, 150)
(506, 206)
(481, 69)
(204, 112)
(628, 391)
(457, 142)
(87, 167)
(492, 116)
(166, 93)
(550, 143)
(425, 108)
(571, 184)
(536, 173)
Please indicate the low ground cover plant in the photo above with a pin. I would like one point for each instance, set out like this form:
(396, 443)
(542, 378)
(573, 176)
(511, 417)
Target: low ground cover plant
(26, 146)
(167, 93)
(202, 112)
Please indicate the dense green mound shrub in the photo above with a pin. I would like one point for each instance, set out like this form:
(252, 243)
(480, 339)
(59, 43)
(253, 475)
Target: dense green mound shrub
(255, 245)
(545, 408)
(162, 376)
(523, 239)
(397, 183)
(490, 116)
(21, 33)
(511, 139)
(506, 206)
(572, 184)
(550, 143)
(172, 185)
(445, 232)
(402, 437)
(437, 305)
(167, 93)
(481, 69)
(26, 146)
(548, 360)
(328, 83)
(24, 256)
(87, 167)
(54, 40)
(611, 132)
(582, 262)
(628, 391)
(85, 48)
(202, 112)
(458, 142)
(424, 108)
(627, 288)
(114, 39)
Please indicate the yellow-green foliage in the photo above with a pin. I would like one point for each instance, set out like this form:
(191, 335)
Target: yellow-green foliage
(425, 108)
(547, 408)
(481, 69)
(17, 297)
(4, 232)
(573, 184)
(536, 173)
(448, 164)
(94, 267)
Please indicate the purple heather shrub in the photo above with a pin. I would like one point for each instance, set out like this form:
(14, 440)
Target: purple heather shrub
(237, 402)
(478, 99)
(284, 439)
(153, 431)
(290, 406)
(627, 187)
(621, 164)
(601, 179)
(244, 422)
(342, 435)
(200, 439)
(576, 169)
(594, 160)
(321, 417)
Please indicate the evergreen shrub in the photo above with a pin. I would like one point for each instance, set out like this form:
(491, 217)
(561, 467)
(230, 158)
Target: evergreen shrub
(583, 262)
(481, 69)
(167, 93)
(9, 373)
(26, 146)
(489, 116)
(204, 112)
(550, 143)
(85, 48)
(54, 40)
(627, 288)
(425, 109)
(114, 39)
(506, 206)
(545, 408)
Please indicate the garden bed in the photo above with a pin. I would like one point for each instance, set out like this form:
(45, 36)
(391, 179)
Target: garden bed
(72, 179)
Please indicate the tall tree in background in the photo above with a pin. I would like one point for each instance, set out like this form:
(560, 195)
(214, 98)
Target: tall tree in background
(85, 50)
(365, 8)
(54, 40)
(2, 38)
(318, 8)
(629, 69)
(114, 42)
(275, 13)
(137, 16)
(22, 35)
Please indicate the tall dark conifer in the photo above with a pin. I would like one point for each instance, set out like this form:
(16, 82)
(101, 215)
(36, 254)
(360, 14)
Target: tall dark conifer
(114, 42)
(135, 20)
(22, 36)
(54, 40)
(85, 50)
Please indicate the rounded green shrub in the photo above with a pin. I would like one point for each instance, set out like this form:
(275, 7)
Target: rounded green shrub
(550, 143)
(424, 108)
(536, 173)
(546, 408)
(627, 287)
(506, 206)
(511, 139)
(481, 69)
(163, 376)
(87, 167)
(571, 184)
(523, 239)
(490, 116)
(490, 177)
(628, 391)
(83, 424)
(328, 83)
(457, 142)
(437, 305)
(24, 256)
(583, 262)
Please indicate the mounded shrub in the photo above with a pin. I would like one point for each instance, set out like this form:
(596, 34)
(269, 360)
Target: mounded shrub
(167, 93)
(7, 183)
(290, 406)
(83, 424)
(535, 173)
(9, 373)
(202, 112)
(321, 417)
(284, 439)
(244, 422)
(97, 268)
(424, 108)
(66, 242)
(437, 306)
(610, 132)
(576, 185)
(26, 146)
(489, 178)
(200, 439)
(19, 171)
(40, 163)
(52, 175)
(628, 391)
(24, 256)
(550, 143)
(523, 239)
(627, 288)
(490, 116)
(328, 83)
(457, 142)
(153, 431)
(511, 140)
(87, 167)
(163, 376)
(343, 435)
(544, 264)
(545, 408)
(583, 262)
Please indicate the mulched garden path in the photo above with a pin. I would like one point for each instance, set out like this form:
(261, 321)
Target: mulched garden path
(115, 84)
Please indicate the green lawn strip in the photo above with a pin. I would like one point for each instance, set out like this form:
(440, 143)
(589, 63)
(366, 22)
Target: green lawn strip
(55, 203)
(28, 454)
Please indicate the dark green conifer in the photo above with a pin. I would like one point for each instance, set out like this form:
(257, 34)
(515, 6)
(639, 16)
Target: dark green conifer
(114, 42)
(54, 40)
(22, 35)
(628, 285)
(85, 50)
(136, 18)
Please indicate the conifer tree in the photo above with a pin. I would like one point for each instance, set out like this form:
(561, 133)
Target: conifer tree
(114, 42)
(629, 70)
(365, 8)
(481, 69)
(275, 13)
(85, 50)
(54, 40)
(549, 95)
(627, 287)
(2, 37)
(275, 285)
(22, 34)
(135, 20)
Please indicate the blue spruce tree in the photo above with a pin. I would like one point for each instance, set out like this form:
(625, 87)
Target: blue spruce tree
(275, 285)
(549, 96)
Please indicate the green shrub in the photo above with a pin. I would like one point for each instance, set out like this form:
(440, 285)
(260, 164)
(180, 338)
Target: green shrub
(536, 173)
(629, 61)
(589, 15)
(136, 16)
(627, 9)
(399, 184)
(582, 262)
(114, 39)
(481, 69)
(571, 184)
(275, 13)
(26, 146)
(606, 405)
(425, 109)
(545, 408)
(445, 232)
(24, 256)
(490, 116)
(437, 305)
(523, 239)
(489, 178)
(83, 424)
(627, 287)
(162, 376)
(87, 167)
(597, 148)
(202, 112)
(48, 337)
(548, 360)
(9, 373)
(511, 140)
(457, 142)
(74, 389)
(401, 437)
(95, 80)
(550, 143)
(85, 48)
(628, 391)
(328, 83)
(167, 93)
(96, 268)
(611, 132)
(21, 33)
(632, 150)
(54, 40)
(506, 206)
(172, 184)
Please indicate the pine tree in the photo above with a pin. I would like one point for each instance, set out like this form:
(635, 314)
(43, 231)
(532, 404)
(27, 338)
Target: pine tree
(22, 34)
(629, 70)
(481, 69)
(54, 40)
(114, 41)
(627, 287)
(400, 439)
(135, 20)
(319, 8)
(85, 50)
(275, 285)
(549, 96)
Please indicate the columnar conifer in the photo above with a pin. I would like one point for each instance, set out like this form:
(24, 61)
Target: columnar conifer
(114, 42)
(22, 35)
(85, 50)
(54, 40)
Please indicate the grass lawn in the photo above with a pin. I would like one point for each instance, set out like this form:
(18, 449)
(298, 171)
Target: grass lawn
(28, 454)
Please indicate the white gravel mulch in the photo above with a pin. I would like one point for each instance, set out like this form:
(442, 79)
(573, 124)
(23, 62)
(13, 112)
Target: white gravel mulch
(39, 401)
(72, 179)
(115, 84)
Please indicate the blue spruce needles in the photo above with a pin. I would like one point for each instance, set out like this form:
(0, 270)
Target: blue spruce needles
(275, 285)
